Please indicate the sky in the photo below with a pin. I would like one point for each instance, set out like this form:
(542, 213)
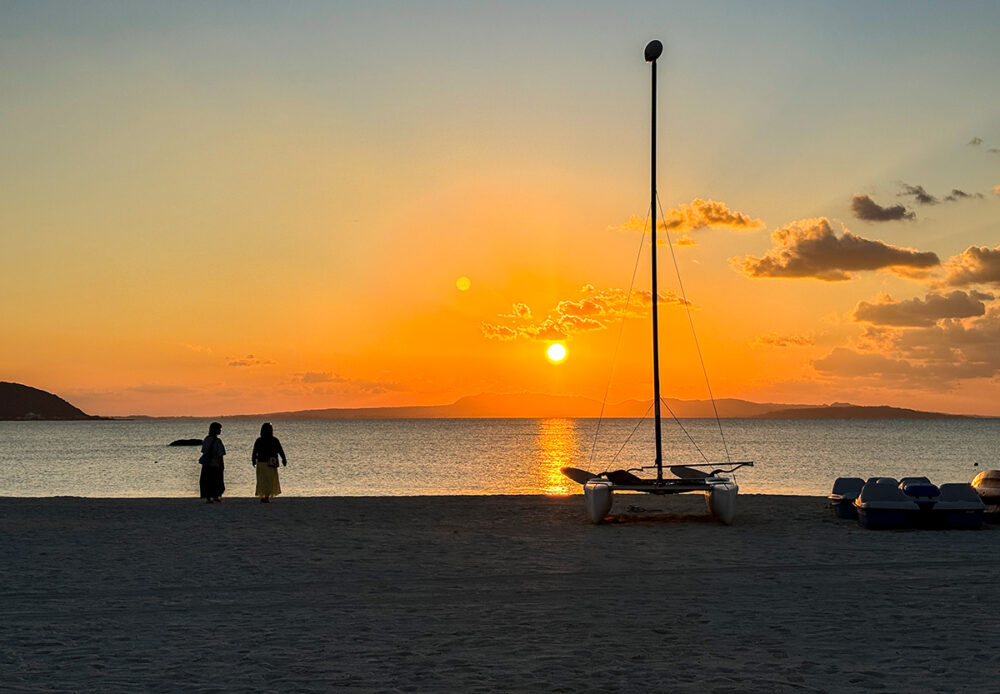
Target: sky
(237, 207)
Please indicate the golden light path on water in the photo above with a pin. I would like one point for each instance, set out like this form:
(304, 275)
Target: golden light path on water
(557, 448)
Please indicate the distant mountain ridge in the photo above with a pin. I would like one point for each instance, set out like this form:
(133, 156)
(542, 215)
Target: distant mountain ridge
(21, 402)
(534, 406)
(839, 411)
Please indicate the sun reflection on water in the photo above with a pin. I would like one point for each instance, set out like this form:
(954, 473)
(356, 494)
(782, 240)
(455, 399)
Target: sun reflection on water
(557, 448)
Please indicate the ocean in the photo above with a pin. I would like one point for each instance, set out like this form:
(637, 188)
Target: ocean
(480, 456)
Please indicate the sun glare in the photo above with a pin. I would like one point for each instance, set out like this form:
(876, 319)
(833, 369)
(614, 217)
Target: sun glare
(556, 352)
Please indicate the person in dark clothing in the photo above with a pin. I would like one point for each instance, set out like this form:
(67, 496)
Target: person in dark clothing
(266, 450)
(212, 481)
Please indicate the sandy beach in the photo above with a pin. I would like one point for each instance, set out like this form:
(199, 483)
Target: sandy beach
(467, 594)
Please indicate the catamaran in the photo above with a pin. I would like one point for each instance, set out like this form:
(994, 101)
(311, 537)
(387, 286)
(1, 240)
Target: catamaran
(600, 488)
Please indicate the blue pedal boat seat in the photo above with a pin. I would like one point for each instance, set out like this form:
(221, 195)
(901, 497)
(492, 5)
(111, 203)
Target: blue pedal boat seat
(921, 490)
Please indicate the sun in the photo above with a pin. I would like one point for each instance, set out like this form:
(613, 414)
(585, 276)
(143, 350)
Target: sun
(463, 284)
(556, 352)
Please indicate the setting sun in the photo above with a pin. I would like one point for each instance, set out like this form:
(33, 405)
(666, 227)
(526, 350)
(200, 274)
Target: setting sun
(556, 352)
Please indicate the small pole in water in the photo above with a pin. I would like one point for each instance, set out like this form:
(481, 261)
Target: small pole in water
(653, 51)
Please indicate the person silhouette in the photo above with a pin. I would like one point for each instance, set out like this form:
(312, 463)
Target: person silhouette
(266, 450)
(212, 481)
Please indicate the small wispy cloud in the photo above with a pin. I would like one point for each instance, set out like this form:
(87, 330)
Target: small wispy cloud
(519, 310)
(594, 310)
(248, 361)
(918, 193)
(778, 340)
(695, 215)
(316, 377)
(868, 210)
(329, 382)
(161, 389)
(957, 195)
(704, 214)
(975, 142)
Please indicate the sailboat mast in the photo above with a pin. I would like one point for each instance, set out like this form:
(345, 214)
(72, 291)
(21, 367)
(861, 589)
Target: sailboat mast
(653, 51)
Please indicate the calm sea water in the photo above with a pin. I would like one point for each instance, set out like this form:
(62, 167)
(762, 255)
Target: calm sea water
(479, 456)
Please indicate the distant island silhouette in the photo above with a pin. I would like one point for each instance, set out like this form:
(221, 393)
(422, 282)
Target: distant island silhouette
(20, 402)
(24, 403)
(858, 412)
(535, 406)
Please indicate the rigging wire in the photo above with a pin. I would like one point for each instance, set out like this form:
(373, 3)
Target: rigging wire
(634, 429)
(694, 334)
(621, 330)
(690, 438)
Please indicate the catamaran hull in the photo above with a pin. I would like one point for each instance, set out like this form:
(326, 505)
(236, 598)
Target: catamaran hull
(598, 496)
(722, 501)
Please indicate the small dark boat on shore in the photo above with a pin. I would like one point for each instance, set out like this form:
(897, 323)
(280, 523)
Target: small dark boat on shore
(882, 505)
(845, 491)
(958, 507)
(913, 502)
(987, 485)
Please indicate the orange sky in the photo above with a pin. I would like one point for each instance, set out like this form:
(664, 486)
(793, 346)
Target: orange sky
(238, 211)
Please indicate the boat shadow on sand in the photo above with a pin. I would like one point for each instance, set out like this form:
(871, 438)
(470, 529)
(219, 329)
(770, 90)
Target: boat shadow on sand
(639, 516)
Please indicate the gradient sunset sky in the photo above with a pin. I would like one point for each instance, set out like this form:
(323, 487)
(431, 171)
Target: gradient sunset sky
(212, 208)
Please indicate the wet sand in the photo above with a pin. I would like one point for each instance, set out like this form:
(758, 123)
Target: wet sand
(468, 594)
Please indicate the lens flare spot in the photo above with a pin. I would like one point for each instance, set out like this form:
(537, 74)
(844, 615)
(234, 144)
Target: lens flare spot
(556, 352)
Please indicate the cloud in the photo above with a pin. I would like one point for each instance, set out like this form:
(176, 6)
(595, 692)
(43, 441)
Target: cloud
(924, 198)
(972, 345)
(519, 310)
(499, 332)
(867, 209)
(975, 142)
(922, 312)
(882, 370)
(322, 380)
(159, 389)
(811, 248)
(702, 214)
(976, 265)
(248, 361)
(593, 311)
(847, 362)
(776, 340)
(698, 214)
(919, 194)
(994, 150)
(199, 348)
(937, 356)
(957, 195)
(317, 377)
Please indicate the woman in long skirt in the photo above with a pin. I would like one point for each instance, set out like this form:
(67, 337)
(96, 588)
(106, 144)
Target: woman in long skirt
(212, 481)
(266, 451)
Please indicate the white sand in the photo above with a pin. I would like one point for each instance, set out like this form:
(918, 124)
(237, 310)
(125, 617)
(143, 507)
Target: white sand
(466, 594)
